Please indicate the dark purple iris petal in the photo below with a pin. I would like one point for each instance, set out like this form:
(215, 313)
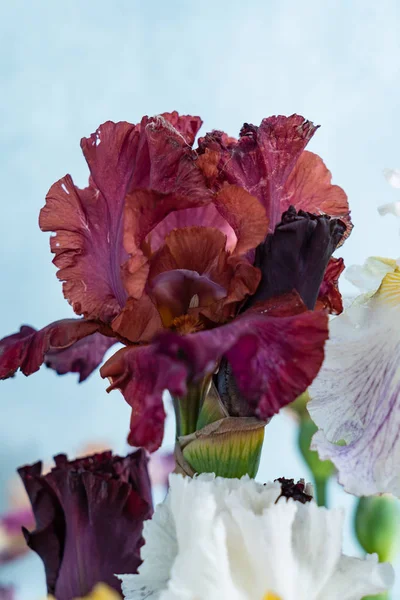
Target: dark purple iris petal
(89, 519)
(296, 255)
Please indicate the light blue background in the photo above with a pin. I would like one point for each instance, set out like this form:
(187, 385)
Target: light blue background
(68, 66)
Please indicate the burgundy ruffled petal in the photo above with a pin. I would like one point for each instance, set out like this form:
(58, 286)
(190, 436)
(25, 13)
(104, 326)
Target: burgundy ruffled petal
(28, 349)
(260, 161)
(89, 518)
(329, 297)
(142, 375)
(274, 359)
(89, 223)
(83, 357)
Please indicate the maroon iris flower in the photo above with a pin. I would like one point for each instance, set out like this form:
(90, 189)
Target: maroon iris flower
(89, 519)
(166, 252)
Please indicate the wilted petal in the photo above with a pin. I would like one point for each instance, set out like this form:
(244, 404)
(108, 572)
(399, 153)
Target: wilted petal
(356, 394)
(309, 188)
(329, 297)
(296, 255)
(89, 518)
(142, 376)
(187, 125)
(83, 357)
(261, 161)
(28, 349)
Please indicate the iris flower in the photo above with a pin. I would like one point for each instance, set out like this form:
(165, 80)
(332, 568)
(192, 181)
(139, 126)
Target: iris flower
(356, 396)
(219, 538)
(89, 519)
(194, 259)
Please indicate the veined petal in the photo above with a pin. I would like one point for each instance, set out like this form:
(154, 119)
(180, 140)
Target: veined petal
(88, 244)
(88, 223)
(356, 396)
(28, 349)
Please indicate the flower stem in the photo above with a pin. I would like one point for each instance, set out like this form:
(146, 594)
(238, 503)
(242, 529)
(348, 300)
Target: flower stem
(187, 408)
(321, 491)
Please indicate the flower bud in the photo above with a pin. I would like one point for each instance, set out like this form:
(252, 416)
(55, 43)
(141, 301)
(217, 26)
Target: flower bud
(377, 525)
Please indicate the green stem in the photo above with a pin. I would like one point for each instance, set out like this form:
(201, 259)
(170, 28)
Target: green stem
(187, 408)
(384, 596)
(321, 489)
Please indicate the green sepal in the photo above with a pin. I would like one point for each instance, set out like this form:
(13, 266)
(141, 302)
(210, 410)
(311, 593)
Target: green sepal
(230, 447)
(212, 409)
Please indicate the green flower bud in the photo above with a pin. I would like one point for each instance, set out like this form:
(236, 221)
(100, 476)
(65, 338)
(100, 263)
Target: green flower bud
(230, 447)
(377, 525)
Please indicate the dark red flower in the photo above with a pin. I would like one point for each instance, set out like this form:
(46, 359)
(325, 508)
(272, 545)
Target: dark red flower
(89, 517)
(165, 237)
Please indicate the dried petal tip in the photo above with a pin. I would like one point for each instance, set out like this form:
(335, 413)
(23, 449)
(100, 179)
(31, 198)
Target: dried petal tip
(297, 491)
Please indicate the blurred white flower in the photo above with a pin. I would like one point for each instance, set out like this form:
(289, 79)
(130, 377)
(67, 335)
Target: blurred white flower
(393, 178)
(220, 539)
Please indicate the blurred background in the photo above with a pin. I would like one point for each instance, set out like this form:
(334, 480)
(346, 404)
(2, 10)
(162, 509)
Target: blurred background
(66, 67)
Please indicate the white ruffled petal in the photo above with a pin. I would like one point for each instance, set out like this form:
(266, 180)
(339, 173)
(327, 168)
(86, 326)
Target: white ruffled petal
(239, 540)
(354, 578)
(368, 277)
(356, 395)
(158, 555)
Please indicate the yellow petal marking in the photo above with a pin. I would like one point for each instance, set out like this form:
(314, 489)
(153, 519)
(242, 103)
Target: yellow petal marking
(389, 291)
(101, 591)
(271, 596)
